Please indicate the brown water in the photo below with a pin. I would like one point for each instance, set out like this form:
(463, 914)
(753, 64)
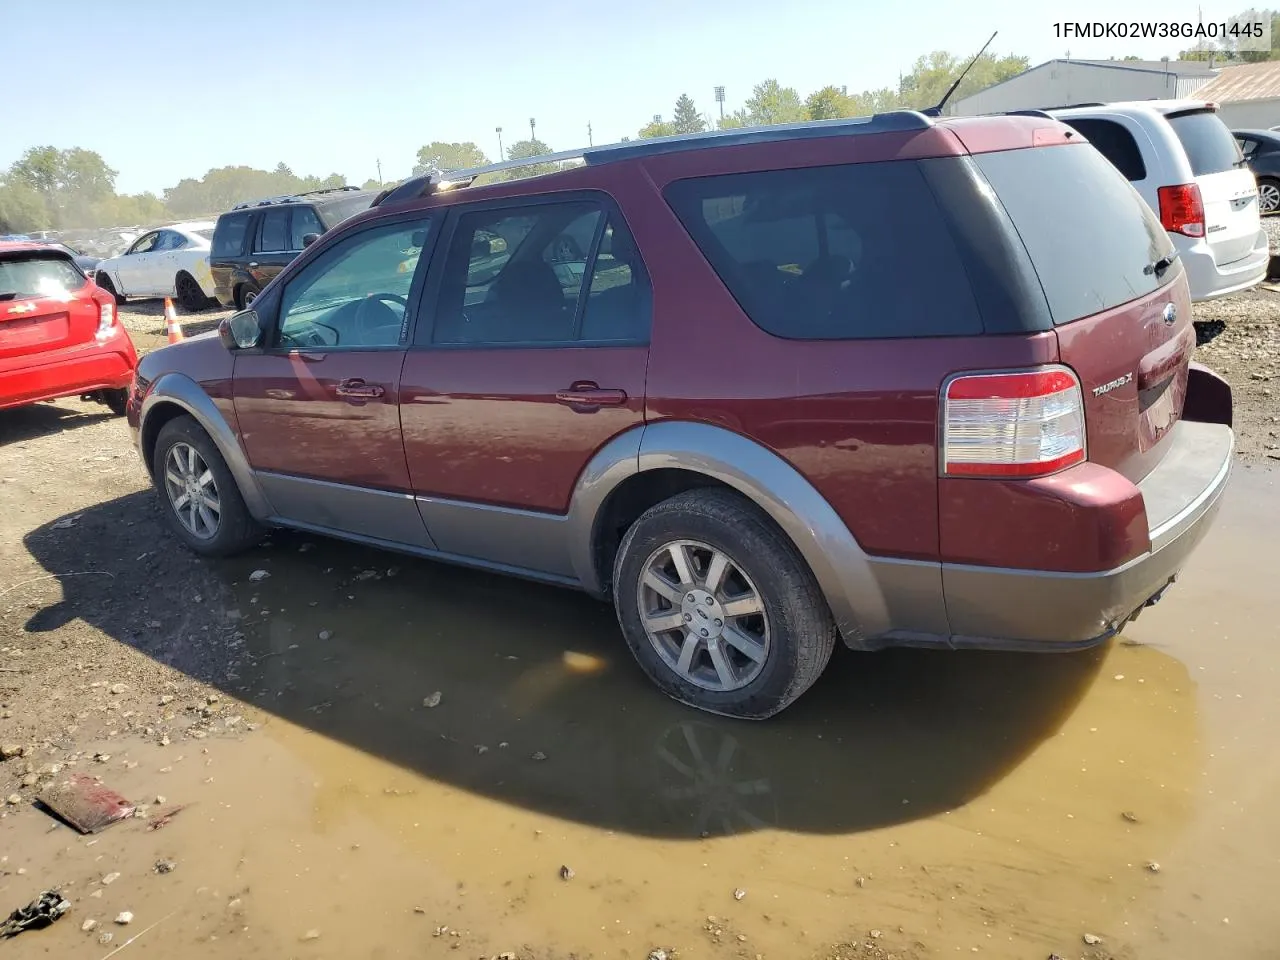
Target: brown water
(953, 802)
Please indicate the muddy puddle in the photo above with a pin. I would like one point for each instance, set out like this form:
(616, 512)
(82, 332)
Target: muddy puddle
(1004, 805)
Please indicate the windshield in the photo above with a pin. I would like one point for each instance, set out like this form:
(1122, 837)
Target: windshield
(335, 211)
(1209, 144)
(38, 276)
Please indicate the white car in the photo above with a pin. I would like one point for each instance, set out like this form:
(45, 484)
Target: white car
(170, 261)
(1189, 169)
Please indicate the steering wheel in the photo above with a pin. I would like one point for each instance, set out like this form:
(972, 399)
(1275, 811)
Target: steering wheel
(367, 321)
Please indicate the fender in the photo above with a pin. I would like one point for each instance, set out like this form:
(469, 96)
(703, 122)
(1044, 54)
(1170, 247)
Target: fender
(182, 391)
(843, 570)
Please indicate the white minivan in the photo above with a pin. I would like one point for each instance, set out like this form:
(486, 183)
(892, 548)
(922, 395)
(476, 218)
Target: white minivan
(1186, 164)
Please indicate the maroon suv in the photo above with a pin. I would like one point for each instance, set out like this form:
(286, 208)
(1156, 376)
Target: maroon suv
(897, 381)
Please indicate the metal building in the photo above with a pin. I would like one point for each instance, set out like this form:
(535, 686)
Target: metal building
(1060, 82)
(1248, 95)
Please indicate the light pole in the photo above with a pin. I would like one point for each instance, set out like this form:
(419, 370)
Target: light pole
(590, 142)
(720, 100)
(501, 157)
(532, 124)
(379, 163)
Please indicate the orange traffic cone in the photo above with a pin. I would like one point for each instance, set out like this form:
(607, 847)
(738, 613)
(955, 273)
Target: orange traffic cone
(171, 325)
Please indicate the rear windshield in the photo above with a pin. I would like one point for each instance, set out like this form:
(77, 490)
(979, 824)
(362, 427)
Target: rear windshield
(38, 276)
(335, 211)
(228, 236)
(1115, 143)
(1209, 144)
(832, 253)
(1092, 239)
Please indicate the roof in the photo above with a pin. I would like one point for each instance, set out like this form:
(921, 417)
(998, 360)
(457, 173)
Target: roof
(1184, 68)
(24, 246)
(1248, 81)
(319, 197)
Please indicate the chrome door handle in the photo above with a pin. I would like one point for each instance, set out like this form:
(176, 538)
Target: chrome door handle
(253, 263)
(586, 396)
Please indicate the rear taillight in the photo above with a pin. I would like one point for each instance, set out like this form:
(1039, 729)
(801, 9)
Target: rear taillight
(1012, 424)
(1182, 210)
(106, 315)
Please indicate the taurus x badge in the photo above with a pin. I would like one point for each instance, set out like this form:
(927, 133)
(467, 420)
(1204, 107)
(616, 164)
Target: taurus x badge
(1170, 313)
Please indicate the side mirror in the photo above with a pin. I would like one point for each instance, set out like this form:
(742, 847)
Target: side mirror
(308, 239)
(240, 331)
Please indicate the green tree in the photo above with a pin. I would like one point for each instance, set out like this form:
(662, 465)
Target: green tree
(830, 103)
(687, 119)
(22, 207)
(439, 157)
(769, 103)
(657, 128)
(69, 181)
(523, 150)
(934, 73)
(371, 184)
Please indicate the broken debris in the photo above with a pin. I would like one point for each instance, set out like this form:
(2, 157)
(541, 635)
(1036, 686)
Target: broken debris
(39, 913)
(258, 576)
(433, 700)
(86, 804)
(566, 873)
(124, 918)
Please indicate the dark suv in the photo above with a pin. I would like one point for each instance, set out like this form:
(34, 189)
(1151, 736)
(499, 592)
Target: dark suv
(254, 241)
(762, 389)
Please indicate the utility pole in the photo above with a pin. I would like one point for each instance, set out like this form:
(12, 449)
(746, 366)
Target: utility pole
(720, 100)
(590, 142)
(501, 155)
(532, 124)
(379, 163)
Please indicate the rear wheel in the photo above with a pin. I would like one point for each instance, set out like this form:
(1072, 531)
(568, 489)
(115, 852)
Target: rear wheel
(719, 608)
(105, 283)
(1268, 195)
(189, 293)
(202, 502)
(115, 400)
(247, 294)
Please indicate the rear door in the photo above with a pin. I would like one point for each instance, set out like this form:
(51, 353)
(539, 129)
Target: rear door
(270, 252)
(38, 309)
(1120, 308)
(1227, 186)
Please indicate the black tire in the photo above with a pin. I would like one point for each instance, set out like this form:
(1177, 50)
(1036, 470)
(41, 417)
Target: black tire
(246, 294)
(189, 293)
(105, 283)
(802, 633)
(115, 400)
(236, 529)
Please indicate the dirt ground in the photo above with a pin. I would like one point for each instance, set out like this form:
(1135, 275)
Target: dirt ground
(371, 755)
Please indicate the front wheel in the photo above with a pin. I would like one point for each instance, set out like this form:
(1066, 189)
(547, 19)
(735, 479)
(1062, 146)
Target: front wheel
(202, 502)
(719, 608)
(189, 293)
(1268, 195)
(105, 283)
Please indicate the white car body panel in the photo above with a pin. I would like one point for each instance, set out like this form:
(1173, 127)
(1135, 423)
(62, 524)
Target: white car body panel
(154, 273)
(1234, 253)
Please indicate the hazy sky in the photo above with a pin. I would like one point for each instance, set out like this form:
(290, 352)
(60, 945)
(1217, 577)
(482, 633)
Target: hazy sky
(166, 89)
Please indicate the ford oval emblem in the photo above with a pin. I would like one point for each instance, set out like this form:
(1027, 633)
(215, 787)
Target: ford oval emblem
(1170, 313)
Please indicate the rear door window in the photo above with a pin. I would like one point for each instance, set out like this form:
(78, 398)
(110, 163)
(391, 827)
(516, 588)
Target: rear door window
(1115, 143)
(228, 238)
(273, 232)
(1209, 144)
(832, 253)
(1092, 238)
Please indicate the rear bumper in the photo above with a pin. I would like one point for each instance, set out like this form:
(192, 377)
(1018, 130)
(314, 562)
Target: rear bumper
(1209, 279)
(1028, 609)
(69, 372)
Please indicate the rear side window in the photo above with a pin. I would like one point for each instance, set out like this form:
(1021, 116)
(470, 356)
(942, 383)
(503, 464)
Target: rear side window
(832, 253)
(1209, 144)
(1091, 237)
(228, 237)
(1115, 143)
(38, 277)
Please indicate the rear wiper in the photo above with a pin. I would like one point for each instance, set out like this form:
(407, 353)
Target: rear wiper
(1161, 265)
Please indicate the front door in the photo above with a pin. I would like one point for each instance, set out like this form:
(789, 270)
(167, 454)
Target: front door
(528, 361)
(318, 406)
(134, 268)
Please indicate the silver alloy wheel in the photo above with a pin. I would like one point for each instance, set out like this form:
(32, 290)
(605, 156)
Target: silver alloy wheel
(192, 490)
(703, 615)
(249, 297)
(1269, 197)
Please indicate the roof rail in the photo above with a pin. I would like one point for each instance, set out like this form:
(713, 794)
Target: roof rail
(1026, 113)
(292, 197)
(894, 121)
(1071, 106)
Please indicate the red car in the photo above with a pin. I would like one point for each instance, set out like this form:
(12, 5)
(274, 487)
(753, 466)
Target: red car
(59, 333)
(889, 381)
